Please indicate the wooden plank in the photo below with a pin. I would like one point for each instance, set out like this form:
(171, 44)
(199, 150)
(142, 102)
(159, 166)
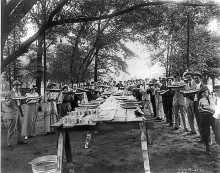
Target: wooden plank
(68, 153)
(61, 143)
(144, 147)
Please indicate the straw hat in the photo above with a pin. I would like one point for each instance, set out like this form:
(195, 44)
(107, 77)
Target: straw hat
(197, 74)
(65, 86)
(50, 85)
(33, 87)
(16, 82)
(170, 78)
(203, 88)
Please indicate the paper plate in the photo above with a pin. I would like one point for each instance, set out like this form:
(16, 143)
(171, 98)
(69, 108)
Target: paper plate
(206, 111)
(131, 102)
(189, 91)
(176, 86)
(68, 92)
(121, 98)
(19, 98)
(53, 90)
(33, 97)
(162, 92)
(87, 106)
(117, 94)
(129, 106)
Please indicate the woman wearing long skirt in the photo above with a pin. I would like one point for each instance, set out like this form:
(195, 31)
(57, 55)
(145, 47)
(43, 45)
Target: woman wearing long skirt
(30, 117)
(160, 112)
(66, 99)
(50, 114)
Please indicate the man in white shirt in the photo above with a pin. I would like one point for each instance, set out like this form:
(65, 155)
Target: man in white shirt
(190, 102)
(15, 114)
(179, 104)
(198, 85)
(146, 99)
(207, 106)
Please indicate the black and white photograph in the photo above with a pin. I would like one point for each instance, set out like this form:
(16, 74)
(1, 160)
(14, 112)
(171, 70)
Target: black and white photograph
(110, 86)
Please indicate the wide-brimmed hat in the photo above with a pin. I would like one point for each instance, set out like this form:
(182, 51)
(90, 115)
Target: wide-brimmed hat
(150, 84)
(203, 88)
(31, 88)
(65, 86)
(163, 79)
(184, 79)
(177, 74)
(16, 82)
(170, 78)
(197, 74)
(188, 73)
(50, 85)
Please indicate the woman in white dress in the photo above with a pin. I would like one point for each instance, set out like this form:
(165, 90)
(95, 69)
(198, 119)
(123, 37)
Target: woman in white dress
(159, 103)
(28, 129)
(50, 114)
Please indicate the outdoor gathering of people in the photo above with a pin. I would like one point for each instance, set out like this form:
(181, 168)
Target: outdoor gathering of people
(164, 99)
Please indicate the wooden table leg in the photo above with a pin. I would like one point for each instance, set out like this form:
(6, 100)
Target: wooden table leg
(68, 153)
(144, 147)
(97, 128)
(88, 138)
(61, 144)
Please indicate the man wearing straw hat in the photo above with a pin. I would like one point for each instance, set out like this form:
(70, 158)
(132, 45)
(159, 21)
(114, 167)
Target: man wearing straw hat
(15, 114)
(179, 104)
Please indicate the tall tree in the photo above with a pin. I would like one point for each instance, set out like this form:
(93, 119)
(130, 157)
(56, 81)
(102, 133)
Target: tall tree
(15, 10)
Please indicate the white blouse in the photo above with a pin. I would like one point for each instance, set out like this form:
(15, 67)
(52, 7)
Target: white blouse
(31, 99)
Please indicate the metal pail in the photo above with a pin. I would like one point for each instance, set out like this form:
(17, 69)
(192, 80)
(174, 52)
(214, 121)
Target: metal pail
(44, 164)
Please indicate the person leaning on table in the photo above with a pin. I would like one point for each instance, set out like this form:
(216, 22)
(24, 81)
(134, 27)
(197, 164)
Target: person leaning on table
(206, 108)
(15, 115)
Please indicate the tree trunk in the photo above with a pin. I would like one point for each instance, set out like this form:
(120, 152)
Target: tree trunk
(96, 69)
(15, 70)
(45, 62)
(9, 76)
(168, 51)
(14, 48)
(39, 64)
(188, 40)
(213, 82)
(205, 81)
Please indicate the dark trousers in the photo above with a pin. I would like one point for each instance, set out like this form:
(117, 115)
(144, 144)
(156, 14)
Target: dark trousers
(198, 118)
(153, 105)
(167, 107)
(207, 121)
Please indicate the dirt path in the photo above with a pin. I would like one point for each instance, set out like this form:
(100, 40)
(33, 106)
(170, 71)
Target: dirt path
(115, 150)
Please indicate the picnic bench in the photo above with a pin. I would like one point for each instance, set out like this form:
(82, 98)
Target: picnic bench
(114, 115)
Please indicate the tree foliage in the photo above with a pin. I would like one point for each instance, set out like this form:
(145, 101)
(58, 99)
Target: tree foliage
(15, 10)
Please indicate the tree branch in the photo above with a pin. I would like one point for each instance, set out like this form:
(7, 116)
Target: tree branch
(24, 47)
(19, 12)
(118, 13)
(57, 9)
(11, 5)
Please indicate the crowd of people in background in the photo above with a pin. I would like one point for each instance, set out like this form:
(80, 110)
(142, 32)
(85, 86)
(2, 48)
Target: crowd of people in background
(171, 105)
(158, 100)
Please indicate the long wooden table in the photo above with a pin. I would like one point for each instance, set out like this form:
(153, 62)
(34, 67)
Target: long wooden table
(120, 116)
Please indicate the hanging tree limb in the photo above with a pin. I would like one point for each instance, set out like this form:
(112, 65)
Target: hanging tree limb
(50, 23)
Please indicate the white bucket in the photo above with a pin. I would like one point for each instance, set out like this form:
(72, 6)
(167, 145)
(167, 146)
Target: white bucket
(44, 164)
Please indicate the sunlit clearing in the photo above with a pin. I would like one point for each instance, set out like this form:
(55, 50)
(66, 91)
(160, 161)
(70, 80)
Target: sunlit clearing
(213, 25)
